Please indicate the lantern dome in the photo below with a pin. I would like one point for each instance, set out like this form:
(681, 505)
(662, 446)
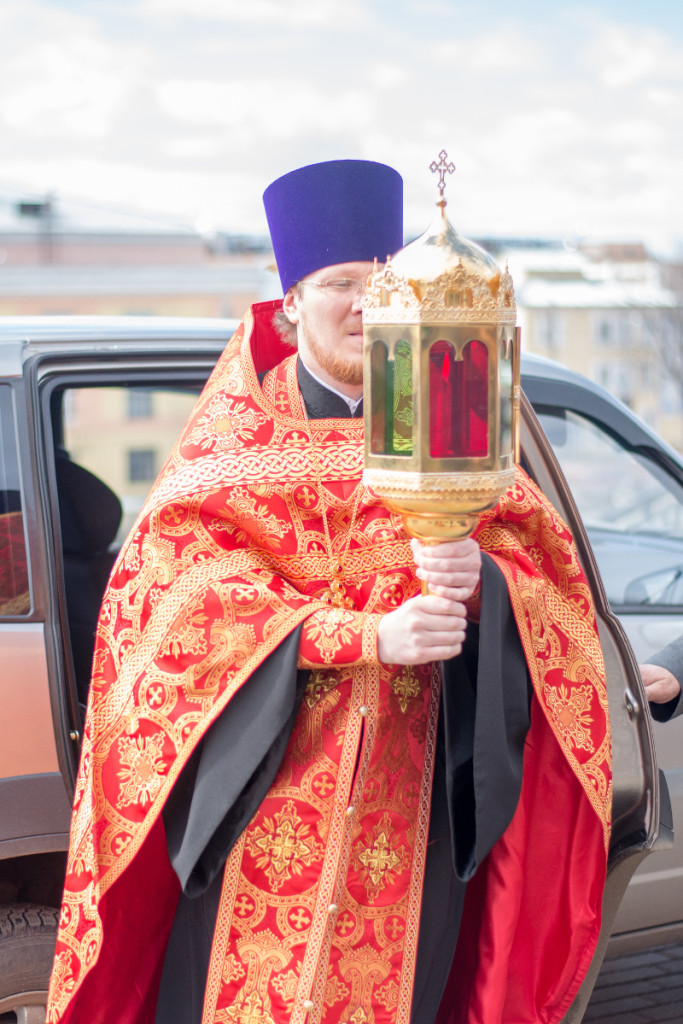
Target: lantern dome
(441, 277)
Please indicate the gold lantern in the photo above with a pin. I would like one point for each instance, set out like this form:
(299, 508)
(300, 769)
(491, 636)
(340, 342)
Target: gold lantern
(441, 380)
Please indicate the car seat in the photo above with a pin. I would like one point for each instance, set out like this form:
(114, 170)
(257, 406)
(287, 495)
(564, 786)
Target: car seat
(90, 515)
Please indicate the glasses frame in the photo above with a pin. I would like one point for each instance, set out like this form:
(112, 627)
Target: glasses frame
(330, 289)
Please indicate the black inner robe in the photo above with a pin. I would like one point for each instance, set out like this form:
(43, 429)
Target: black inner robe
(483, 722)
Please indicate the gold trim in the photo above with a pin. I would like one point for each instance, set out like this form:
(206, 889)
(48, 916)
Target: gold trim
(419, 858)
(313, 978)
(579, 631)
(456, 296)
(480, 487)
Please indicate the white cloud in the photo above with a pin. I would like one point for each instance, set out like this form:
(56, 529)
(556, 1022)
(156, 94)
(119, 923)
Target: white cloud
(389, 76)
(502, 51)
(279, 108)
(291, 13)
(193, 148)
(195, 105)
(59, 77)
(627, 57)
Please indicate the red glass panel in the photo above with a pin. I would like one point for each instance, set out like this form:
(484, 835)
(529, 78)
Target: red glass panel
(458, 401)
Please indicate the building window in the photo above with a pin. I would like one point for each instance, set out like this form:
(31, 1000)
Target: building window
(141, 465)
(605, 332)
(139, 404)
(549, 326)
(615, 328)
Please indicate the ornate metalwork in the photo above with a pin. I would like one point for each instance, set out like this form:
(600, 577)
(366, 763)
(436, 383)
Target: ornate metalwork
(442, 313)
(444, 168)
(455, 296)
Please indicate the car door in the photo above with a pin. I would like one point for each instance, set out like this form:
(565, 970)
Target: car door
(628, 487)
(108, 423)
(637, 799)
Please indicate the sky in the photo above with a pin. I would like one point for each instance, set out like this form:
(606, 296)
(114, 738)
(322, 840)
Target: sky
(564, 120)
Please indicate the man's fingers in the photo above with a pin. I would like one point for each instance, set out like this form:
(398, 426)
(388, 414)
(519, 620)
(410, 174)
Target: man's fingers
(459, 594)
(448, 549)
(661, 685)
(433, 604)
(426, 628)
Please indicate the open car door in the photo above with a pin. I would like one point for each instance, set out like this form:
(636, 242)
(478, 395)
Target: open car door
(641, 812)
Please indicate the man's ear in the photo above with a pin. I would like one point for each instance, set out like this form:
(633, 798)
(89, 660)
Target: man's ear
(290, 304)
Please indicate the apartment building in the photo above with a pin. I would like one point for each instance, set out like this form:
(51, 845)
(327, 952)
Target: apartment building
(64, 257)
(612, 313)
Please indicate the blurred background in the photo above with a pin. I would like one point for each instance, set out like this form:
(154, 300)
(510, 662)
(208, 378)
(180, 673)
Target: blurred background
(137, 136)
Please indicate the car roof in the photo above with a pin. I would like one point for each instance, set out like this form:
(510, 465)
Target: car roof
(22, 336)
(58, 330)
(61, 329)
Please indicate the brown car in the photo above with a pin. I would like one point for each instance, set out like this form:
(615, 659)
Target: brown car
(89, 409)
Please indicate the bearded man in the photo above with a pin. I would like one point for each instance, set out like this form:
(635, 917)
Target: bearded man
(294, 762)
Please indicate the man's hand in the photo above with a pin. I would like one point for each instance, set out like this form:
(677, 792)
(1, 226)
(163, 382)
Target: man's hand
(452, 569)
(432, 627)
(660, 684)
(425, 628)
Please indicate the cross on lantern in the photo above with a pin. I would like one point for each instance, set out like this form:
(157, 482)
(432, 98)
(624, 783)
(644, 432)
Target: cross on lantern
(444, 168)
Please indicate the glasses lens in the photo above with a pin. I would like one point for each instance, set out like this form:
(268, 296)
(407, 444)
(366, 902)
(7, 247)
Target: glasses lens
(345, 286)
(342, 285)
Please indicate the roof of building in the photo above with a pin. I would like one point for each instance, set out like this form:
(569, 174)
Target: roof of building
(571, 278)
(26, 212)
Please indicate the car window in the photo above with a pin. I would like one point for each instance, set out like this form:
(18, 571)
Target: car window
(123, 435)
(631, 507)
(14, 588)
(110, 442)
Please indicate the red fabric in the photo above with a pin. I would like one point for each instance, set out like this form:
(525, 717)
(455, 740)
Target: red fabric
(267, 347)
(136, 914)
(534, 905)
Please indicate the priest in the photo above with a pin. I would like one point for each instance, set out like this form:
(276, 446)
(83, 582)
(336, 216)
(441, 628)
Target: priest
(309, 792)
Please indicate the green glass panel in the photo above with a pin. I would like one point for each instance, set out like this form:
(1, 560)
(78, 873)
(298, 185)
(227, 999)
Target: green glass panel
(400, 395)
(379, 375)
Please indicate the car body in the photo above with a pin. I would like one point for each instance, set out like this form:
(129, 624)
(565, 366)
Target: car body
(89, 408)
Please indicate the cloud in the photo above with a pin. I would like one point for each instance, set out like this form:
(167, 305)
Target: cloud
(279, 108)
(628, 57)
(502, 51)
(198, 104)
(59, 76)
(347, 16)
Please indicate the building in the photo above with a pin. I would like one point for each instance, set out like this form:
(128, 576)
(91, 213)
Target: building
(61, 257)
(609, 312)
(66, 257)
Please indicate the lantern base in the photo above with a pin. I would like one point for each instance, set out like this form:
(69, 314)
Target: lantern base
(439, 506)
(431, 529)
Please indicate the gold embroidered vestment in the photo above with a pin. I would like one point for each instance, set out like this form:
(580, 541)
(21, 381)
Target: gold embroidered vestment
(321, 897)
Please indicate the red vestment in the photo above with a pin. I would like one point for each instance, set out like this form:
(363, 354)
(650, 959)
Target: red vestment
(322, 893)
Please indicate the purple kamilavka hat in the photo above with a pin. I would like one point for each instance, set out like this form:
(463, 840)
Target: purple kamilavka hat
(340, 211)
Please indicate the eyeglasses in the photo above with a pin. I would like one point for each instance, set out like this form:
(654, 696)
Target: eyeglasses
(339, 287)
